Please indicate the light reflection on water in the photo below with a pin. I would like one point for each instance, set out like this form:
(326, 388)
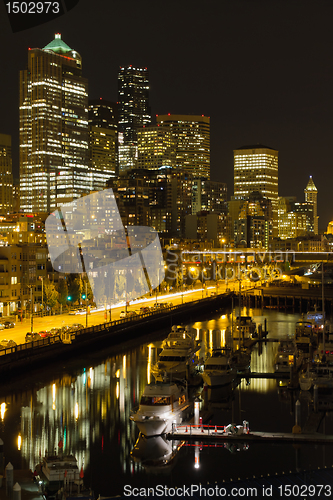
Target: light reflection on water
(89, 410)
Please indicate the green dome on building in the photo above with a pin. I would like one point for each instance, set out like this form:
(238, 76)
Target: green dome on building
(57, 45)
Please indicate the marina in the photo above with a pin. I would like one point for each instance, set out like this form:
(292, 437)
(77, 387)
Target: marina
(88, 406)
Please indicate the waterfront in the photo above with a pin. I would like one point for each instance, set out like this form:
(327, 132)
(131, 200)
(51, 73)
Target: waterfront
(87, 405)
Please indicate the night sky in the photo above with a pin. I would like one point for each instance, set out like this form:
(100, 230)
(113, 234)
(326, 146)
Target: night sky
(261, 69)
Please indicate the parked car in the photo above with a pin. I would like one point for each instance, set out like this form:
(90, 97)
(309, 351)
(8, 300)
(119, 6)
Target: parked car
(9, 324)
(4, 344)
(55, 331)
(144, 310)
(44, 334)
(77, 326)
(31, 337)
(127, 314)
(2, 326)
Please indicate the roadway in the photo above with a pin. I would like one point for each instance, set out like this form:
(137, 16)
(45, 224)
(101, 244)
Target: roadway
(20, 330)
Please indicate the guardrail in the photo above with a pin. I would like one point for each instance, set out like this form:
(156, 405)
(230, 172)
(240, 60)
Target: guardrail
(56, 339)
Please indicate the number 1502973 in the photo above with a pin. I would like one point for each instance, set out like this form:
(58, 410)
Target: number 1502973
(33, 7)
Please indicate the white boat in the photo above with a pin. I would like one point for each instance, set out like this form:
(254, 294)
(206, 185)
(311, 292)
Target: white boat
(218, 369)
(180, 337)
(319, 374)
(175, 363)
(245, 327)
(161, 404)
(55, 470)
(285, 356)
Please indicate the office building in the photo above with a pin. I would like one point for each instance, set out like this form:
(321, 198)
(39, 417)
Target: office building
(6, 175)
(191, 136)
(311, 194)
(158, 198)
(256, 169)
(209, 196)
(253, 227)
(54, 156)
(156, 147)
(133, 112)
(103, 142)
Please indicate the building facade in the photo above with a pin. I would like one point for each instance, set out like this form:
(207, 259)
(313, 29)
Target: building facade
(103, 142)
(6, 174)
(191, 135)
(311, 194)
(256, 168)
(54, 156)
(209, 196)
(133, 112)
(156, 147)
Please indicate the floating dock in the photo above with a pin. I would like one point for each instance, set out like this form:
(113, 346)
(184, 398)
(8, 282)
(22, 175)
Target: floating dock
(200, 432)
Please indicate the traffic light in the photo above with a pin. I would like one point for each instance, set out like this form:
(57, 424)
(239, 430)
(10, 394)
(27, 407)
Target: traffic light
(83, 295)
(69, 297)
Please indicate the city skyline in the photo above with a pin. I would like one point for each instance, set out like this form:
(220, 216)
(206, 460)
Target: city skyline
(261, 76)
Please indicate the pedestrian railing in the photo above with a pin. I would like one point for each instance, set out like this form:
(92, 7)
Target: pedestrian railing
(198, 429)
(56, 339)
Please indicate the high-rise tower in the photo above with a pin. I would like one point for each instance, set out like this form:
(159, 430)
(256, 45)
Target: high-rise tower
(6, 175)
(103, 142)
(256, 168)
(54, 156)
(191, 138)
(311, 193)
(133, 111)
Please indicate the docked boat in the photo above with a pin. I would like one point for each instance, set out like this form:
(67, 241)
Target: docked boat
(303, 336)
(161, 404)
(219, 369)
(241, 360)
(245, 327)
(61, 470)
(180, 337)
(176, 362)
(319, 374)
(285, 356)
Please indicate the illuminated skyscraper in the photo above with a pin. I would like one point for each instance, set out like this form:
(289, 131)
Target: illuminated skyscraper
(103, 142)
(311, 194)
(155, 147)
(6, 176)
(133, 110)
(54, 156)
(191, 136)
(256, 168)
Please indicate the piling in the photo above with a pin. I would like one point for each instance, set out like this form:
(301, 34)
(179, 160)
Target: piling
(315, 398)
(9, 479)
(297, 426)
(16, 492)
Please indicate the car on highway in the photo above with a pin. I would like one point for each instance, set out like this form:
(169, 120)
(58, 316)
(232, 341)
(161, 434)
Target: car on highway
(32, 336)
(9, 324)
(4, 344)
(127, 314)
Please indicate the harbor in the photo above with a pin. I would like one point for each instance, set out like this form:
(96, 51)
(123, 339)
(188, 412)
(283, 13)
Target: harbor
(88, 406)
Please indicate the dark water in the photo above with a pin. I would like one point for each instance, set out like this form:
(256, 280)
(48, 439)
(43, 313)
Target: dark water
(88, 407)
